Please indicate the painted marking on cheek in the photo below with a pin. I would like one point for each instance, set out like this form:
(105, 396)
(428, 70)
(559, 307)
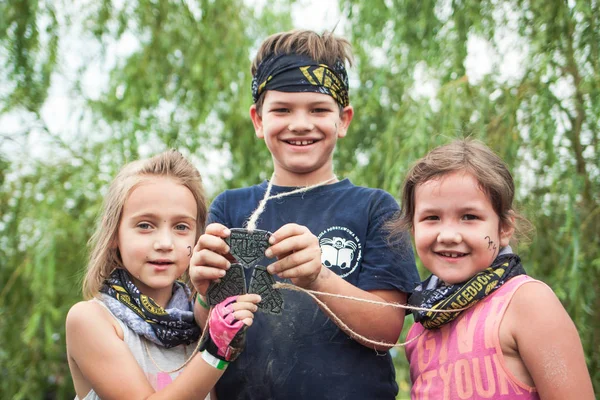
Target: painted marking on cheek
(190, 249)
(491, 245)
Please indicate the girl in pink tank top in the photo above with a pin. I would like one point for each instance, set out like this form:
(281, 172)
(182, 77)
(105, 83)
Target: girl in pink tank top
(485, 330)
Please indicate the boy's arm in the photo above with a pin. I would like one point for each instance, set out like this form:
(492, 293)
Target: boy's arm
(548, 343)
(299, 259)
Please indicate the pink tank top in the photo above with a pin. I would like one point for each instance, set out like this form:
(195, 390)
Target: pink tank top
(463, 359)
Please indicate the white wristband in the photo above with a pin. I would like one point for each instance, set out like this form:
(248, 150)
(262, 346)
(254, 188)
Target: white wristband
(214, 361)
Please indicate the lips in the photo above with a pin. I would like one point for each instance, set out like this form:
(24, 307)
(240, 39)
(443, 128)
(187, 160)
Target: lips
(161, 264)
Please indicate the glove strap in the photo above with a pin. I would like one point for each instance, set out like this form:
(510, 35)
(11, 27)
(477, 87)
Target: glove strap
(214, 361)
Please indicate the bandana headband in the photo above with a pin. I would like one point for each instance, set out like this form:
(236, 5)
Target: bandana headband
(300, 73)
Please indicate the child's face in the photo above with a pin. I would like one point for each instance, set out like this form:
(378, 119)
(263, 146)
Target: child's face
(457, 232)
(156, 235)
(301, 131)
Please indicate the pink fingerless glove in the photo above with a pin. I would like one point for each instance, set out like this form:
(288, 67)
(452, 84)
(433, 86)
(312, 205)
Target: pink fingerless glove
(226, 336)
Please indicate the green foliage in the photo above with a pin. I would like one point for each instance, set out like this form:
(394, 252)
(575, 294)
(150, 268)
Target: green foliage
(183, 81)
(544, 121)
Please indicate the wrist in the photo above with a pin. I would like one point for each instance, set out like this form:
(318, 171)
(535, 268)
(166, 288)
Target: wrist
(316, 282)
(201, 301)
(214, 361)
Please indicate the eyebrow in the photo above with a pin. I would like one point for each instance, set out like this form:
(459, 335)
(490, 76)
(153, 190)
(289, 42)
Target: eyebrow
(155, 216)
(281, 103)
(466, 209)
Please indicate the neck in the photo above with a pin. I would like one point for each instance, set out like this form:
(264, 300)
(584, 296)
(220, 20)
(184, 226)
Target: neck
(285, 178)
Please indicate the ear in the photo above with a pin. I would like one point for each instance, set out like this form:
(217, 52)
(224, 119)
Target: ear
(256, 121)
(345, 118)
(507, 230)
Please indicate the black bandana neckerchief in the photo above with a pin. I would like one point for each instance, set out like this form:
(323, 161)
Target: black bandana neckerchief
(169, 327)
(434, 294)
(299, 73)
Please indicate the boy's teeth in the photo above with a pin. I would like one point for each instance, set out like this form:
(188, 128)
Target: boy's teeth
(301, 142)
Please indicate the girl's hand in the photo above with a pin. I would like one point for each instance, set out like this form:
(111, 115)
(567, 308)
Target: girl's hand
(226, 336)
(298, 253)
(210, 258)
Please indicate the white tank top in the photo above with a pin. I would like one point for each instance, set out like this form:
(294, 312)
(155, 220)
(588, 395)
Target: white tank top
(166, 359)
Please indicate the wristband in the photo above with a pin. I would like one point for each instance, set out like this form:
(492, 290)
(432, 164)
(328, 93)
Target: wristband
(214, 361)
(201, 302)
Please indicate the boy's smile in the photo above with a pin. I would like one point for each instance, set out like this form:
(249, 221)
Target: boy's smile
(457, 232)
(301, 131)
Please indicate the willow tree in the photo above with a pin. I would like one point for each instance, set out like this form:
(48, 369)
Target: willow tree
(420, 84)
(149, 75)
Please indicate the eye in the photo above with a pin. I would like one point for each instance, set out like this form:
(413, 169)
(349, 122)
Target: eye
(431, 218)
(281, 110)
(321, 110)
(144, 225)
(182, 227)
(470, 217)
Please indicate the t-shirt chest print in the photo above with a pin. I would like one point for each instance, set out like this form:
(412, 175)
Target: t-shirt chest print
(341, 250)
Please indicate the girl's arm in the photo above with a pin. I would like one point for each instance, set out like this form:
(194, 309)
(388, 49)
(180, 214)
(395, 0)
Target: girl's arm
(548, 343)
(99, 359)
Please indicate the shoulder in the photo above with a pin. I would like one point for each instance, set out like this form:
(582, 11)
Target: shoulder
(239, 193)
(89, 317)
(535, 308)
(376, 198)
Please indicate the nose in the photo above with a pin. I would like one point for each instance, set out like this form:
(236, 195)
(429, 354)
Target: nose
(300, 122)
(164, 241)
(449, 234)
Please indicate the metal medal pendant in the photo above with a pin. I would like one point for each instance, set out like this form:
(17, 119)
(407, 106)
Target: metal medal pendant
(232, 284)
(247, 247)
(262, 284)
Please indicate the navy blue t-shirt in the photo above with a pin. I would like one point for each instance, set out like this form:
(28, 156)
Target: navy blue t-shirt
(302, 354)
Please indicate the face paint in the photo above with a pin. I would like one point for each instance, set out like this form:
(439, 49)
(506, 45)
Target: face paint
(491, 245)
(190, 249)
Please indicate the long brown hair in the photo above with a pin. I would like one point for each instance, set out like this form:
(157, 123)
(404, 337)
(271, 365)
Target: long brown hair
(104, 255)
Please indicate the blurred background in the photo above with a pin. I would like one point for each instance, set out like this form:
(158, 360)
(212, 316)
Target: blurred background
(87, 86)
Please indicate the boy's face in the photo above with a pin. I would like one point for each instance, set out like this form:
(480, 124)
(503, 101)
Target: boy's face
(301, 130)
(457, 232)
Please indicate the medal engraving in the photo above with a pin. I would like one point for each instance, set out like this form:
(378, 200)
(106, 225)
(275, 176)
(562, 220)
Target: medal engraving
(248, 247)
(262, 284)
(232, 284)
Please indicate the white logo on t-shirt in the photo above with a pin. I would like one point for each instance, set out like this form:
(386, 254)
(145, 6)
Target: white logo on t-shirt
(340, 248)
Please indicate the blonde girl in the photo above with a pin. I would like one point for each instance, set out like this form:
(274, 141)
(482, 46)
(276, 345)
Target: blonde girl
(137, 327)
(513, 339)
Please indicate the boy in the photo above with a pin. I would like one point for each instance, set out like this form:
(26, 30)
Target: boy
(327, 239)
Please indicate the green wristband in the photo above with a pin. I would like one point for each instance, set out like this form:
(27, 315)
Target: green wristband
(214, 361)
(201, 302)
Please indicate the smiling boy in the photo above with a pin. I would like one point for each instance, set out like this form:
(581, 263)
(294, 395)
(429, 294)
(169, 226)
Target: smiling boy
(328, 239)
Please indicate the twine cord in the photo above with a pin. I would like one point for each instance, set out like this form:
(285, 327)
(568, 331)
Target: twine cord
(251, 224)
(190, 357)
(349, 331)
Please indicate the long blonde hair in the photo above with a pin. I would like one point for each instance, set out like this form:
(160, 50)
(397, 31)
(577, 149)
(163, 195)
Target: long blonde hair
(104, 255)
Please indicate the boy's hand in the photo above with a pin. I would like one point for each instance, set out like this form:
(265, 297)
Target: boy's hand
(210, 258)
(298, 254)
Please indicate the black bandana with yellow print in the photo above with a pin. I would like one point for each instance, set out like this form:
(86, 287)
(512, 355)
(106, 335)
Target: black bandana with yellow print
(168, 327)
(434, 294)
(299, 73)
